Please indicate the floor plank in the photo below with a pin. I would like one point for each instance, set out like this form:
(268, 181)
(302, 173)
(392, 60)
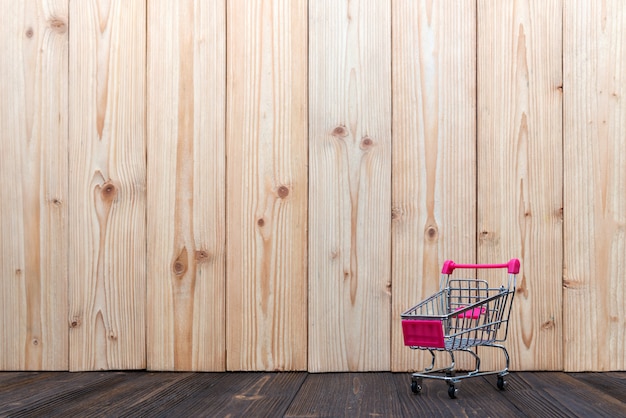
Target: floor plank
(131, 391)
(560, 395)
(299, 394)
(48, 393)
(347, 394)
(165, 401)
(12, 380)
(234, 394)
(613, 383)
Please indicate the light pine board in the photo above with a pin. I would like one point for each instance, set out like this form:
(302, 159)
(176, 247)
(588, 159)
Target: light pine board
(434, 160)
(267, 185)
(107, 248)
(350, 185)
(594, 311)
(33, 196)
(186, 185)
(520, 169)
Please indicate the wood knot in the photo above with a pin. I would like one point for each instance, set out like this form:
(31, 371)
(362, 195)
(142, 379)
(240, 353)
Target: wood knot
(366, 143)
(522, 289)
(30, 32)
(108, 191)
(396, 213)
(431, 232)
(549, 324)
(202, 256)
(283, 192)
(18, 272)
(261, 222)
(58, 25)
(75, 322)
(179, 268)
(180, 265)
(35, 341)
(487, 237)
(340, 131)
(559, 214)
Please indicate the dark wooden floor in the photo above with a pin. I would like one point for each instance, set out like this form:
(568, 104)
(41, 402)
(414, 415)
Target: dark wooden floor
(136, 394)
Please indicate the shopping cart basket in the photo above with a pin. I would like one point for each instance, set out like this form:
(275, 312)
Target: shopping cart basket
(464, 314)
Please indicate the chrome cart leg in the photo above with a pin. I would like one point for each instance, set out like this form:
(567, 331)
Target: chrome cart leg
(450, 378)
(430, 372)
(476, 358)
(501, 382)
(432, 364)
(450, 368)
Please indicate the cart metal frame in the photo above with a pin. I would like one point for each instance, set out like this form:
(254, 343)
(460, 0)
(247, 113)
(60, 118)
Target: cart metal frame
(462, 315)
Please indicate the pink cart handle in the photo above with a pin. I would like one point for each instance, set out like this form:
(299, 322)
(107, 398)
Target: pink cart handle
(513, 266)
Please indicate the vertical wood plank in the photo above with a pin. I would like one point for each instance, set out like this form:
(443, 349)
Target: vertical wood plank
(350, 185)
(267, 185)
(107, 249)
(33, 196)
(434, 160)
(594, 311)
(520, 168)
(186, 185)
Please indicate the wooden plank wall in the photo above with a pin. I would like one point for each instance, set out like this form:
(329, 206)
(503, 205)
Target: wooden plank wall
(519, 134)
(594, 151)
(350, 185)
(186, 78)
(107, 185)
(267, 185)
(434, 143)
(33, 179)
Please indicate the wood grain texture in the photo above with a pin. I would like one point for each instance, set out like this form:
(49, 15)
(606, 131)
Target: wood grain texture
(186, 185)
(231, 395)
(33, 196)
(520, 168)
(561, 394)
(297, 394)
(350, 185)
(267, 185)
(434, 159)
(107, 249)
(347, 395)
(613, 384)
(594, 311)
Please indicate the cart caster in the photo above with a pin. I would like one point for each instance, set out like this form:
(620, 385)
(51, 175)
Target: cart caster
(416, 387)
(502, 384)
(452, 391)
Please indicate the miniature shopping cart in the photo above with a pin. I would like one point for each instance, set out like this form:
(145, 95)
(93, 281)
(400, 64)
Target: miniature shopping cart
(464, 314)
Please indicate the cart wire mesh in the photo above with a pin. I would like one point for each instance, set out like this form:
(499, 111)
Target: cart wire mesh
(463, 314)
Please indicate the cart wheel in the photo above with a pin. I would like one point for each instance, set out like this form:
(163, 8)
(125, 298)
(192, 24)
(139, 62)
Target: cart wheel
(452, 391)
(502, 384)
(415, 387)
